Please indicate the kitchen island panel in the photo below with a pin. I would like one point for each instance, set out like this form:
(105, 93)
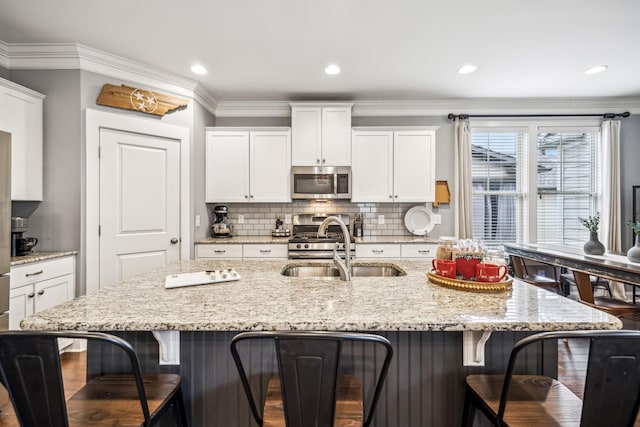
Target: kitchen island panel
(425, 384)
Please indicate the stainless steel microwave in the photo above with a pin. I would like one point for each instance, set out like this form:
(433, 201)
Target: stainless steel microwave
(321, 182)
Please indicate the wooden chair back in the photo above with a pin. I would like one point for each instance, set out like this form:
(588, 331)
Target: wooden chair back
(31, 371)
(612, 387)
(308, 367)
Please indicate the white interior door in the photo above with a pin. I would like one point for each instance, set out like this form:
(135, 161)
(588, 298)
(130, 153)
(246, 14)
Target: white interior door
(139, 203)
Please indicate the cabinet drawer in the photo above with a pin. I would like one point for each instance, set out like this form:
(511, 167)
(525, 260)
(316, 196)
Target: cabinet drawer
(377, 251)
(219, 251)
(418, 251)
(38, 271)
(265, 251)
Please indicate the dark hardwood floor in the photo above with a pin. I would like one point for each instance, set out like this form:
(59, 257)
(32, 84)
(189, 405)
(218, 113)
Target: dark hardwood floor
(74, 368)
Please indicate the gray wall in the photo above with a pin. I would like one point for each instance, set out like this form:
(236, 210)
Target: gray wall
(56, 220)
(629, 172)
(201, 119)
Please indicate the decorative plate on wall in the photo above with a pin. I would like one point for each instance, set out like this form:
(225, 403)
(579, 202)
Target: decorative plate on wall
(419, 220)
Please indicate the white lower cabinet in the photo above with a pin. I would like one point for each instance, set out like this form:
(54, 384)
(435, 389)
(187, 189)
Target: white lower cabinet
(378, 251)
(38, 286)
(265, 251)
(239, 250)
(420, 251)
(220, 251)
(394, 250)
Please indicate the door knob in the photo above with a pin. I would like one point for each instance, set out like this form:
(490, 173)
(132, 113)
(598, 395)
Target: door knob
(174, 241)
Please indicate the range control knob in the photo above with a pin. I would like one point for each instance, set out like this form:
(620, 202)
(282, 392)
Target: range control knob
(306, 246)
(298, 246)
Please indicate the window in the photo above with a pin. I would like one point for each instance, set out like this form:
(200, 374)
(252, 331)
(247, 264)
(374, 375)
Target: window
(567, 185)
(561, 170)
(498, 183)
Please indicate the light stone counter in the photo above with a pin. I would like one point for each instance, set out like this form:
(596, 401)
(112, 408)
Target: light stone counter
(360, 240)
(242, 240)
(266, 300)
(40, 256)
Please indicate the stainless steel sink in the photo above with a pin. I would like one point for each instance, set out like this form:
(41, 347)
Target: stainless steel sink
(330, 271)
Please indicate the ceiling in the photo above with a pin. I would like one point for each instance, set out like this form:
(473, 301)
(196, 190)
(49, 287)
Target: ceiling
(276, 50)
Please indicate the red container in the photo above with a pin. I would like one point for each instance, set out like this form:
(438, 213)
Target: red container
(444, 267)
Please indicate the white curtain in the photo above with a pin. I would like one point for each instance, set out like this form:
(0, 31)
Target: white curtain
(462, 196)
(611, 220)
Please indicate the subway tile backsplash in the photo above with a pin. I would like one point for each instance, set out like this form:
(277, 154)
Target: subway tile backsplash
(260, 218)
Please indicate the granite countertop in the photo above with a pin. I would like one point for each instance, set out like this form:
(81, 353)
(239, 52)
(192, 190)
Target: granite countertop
(358, 240)
(265, 300)
(40, 256)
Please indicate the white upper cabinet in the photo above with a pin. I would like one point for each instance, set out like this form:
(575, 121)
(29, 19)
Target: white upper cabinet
(393, 164)
(372, 166)
(321, 134)
(248, 165)
(21, 115)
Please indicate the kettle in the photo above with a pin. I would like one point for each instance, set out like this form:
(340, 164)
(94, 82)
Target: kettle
(25, 245)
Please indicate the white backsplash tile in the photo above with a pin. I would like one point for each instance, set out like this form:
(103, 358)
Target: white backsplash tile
(259, 219)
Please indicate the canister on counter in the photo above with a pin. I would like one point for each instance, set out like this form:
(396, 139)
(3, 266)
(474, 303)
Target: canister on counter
(446, 245)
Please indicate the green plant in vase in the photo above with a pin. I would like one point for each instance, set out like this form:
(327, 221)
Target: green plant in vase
(593, 245)
(633, 254)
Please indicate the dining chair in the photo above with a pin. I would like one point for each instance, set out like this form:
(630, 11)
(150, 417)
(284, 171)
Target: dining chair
(611, 393)
(628, 313)
(309, 389)
(31, 371)
(521, 271)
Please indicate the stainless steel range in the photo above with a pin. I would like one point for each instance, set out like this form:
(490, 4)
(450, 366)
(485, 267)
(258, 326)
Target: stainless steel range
(305, 243)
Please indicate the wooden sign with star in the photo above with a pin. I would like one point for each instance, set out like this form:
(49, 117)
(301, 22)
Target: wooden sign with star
(145, 101)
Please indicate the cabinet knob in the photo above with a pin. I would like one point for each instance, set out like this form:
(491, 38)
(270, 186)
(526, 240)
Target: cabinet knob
(31, 295)
(396, 196)
(246, 197)
(174, 241)
(251, 196)
(317, 160)
(390, 196)
(323, 160)
(41, 292)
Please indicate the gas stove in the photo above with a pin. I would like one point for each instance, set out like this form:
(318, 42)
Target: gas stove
(305, 243)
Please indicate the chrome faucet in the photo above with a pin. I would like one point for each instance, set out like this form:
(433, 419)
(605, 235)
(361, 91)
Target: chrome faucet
(343, 266)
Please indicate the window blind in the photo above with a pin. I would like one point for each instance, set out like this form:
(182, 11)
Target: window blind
(568, 184)
(498, 181)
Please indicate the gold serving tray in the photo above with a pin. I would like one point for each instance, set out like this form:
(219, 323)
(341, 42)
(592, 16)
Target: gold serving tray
(471, 285)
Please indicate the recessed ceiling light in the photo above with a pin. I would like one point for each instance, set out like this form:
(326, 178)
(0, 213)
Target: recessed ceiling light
(199, 69)
(332, 69)
(467, 69)
(597, 69)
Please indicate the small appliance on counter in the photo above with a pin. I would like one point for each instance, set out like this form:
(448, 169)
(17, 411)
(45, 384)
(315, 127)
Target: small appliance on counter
(21, 245)
(221, 226)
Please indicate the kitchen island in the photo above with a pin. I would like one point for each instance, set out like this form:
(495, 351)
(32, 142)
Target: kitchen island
(426, 324)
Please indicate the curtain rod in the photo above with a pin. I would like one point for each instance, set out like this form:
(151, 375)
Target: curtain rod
(452, 116)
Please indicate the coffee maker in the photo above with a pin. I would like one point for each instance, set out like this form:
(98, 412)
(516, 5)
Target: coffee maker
(221, 226)
(21, 245)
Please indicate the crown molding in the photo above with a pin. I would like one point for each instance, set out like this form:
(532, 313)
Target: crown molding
(72, 56)
(253, 109)
(75, 56)
(445, 106)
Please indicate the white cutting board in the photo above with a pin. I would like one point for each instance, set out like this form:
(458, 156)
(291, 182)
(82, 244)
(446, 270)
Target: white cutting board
(201, 278)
